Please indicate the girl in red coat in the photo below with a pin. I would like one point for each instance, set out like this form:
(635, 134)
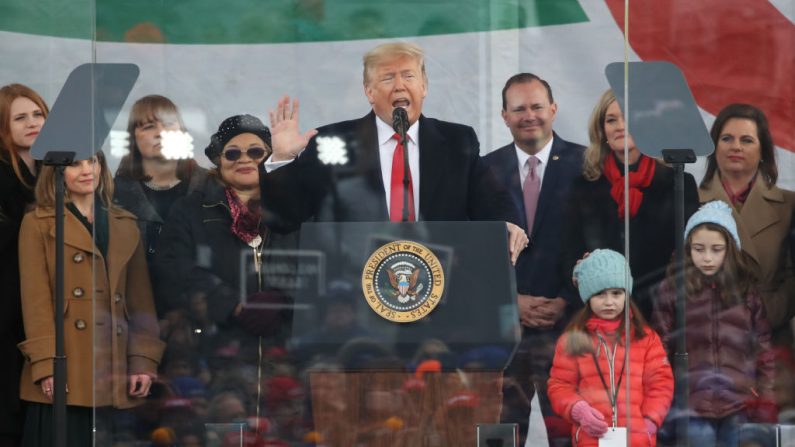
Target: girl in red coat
(589, 376)
(731, 365)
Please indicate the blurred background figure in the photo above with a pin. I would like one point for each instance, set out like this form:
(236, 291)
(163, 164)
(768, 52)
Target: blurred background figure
(149, 180)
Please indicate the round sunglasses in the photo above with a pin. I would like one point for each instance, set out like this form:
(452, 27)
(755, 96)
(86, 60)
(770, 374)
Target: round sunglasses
(254, 153)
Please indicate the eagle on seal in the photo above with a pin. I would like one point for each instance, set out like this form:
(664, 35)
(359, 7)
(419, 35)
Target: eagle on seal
(404, 281)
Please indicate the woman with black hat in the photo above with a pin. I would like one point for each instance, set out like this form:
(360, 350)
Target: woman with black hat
(214, 248)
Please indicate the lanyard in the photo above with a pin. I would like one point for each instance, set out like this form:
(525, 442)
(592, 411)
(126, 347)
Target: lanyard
(612, 397)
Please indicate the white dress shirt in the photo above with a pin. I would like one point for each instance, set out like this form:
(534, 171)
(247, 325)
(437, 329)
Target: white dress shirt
(386, 151)
(542, 156)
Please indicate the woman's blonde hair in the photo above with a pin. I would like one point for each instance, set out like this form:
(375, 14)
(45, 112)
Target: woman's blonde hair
(8, 150)
(597, 148)
(45, 185)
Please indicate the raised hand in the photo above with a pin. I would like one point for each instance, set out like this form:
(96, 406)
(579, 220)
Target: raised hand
(287, 139)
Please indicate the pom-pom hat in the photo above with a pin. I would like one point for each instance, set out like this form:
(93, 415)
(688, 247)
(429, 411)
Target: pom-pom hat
(716, 212)
(602, 269)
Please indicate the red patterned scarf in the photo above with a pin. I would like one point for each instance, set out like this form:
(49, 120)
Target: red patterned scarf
(245, 218)
(638, 181)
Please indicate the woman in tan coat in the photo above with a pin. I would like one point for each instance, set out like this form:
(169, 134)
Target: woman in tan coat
(111, 333)
(742, 172)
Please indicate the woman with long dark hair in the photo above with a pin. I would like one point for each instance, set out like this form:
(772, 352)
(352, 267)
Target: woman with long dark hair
(743, 172)
(149, 181)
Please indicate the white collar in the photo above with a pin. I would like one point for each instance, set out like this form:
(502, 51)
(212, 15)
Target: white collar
(542, 155)
(385, 131)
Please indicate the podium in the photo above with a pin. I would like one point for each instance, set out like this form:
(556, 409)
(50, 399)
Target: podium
(411, 350)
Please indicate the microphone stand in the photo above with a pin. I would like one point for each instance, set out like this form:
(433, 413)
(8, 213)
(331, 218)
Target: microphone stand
(400, 121)
(677, 158)
(60, 160)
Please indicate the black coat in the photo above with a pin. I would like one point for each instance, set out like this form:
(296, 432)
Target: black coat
(454, 183)
(130, 195)
(198, 253)
(591, 221)
(14, 199)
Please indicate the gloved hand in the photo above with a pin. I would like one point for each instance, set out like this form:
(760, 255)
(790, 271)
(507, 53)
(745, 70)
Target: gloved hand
(589, 418)
(651, 427)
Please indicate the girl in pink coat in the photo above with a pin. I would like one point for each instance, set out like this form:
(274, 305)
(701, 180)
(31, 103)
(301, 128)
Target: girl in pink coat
(589, 376)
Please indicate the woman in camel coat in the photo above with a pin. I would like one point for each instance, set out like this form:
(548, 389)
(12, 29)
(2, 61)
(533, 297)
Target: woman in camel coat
(742, 172)
(111, 332)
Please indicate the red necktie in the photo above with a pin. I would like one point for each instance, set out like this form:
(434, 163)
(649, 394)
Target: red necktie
(396, 191)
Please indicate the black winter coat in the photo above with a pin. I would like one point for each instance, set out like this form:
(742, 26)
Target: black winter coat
(591, 221)
(14, 199)
(730, 358)
(198, 253)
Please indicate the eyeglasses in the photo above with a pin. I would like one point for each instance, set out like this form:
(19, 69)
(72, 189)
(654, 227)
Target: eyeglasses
(254, 153)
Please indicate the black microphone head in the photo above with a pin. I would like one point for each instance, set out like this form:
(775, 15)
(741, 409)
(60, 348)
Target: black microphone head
(400, 119)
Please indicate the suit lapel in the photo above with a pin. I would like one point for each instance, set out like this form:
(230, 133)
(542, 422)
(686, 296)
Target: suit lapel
(507, 167)
(122, 242)
(75, 234)
(549, 185)
(757, 212)
(369, 162)
(432, 166)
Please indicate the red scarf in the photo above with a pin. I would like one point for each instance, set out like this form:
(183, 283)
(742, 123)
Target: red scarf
(245, 218)
(604, 326)
(638, 180)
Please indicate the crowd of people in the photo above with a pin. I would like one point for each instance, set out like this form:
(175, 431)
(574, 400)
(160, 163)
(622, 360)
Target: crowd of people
(175, 336)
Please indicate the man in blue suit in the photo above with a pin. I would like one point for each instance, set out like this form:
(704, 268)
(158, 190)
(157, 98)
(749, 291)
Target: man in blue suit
(537, 168)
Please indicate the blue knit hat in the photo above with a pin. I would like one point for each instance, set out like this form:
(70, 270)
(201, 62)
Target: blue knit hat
(716, 212)
(602, 269)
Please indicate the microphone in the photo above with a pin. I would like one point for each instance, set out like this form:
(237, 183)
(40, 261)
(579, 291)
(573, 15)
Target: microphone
(400, 120)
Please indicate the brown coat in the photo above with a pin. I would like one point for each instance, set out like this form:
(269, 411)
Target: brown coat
(763, 223)
(106, 339)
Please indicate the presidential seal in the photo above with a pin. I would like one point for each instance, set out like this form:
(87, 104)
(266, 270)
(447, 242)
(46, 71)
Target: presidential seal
(403, 281)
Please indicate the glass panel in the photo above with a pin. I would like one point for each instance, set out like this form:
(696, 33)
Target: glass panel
(732, 316)
(255, 334)
(40, 44)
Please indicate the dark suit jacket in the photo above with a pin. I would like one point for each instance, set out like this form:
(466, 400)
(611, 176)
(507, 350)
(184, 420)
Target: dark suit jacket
(454, 183)
(536, 268)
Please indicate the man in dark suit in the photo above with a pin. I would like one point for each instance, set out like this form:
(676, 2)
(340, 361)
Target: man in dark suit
(537, 168)
(345, 171)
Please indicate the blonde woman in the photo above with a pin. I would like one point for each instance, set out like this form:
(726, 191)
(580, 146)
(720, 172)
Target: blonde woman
(594, 217)
(111, 334)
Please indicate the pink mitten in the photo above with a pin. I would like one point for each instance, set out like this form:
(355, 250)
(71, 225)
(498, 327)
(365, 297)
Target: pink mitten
(589, 418)
(651, 427)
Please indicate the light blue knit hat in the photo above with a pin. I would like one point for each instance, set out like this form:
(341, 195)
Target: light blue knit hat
(716, 212)
(602, 269)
